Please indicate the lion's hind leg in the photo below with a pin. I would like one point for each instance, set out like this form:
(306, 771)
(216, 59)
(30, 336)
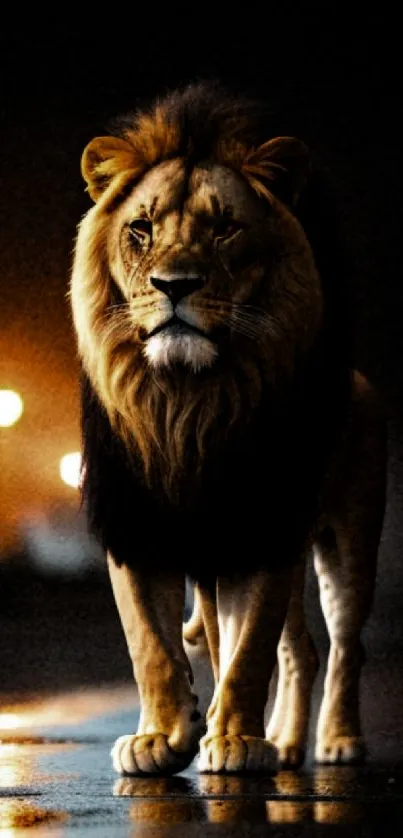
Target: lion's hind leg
(150, 606)
(346, 575)
(200, 632)
(297, 667)
(345, 558)
(193, 630)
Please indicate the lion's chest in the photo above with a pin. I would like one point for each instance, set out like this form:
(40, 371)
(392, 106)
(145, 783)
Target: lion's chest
(255, 504)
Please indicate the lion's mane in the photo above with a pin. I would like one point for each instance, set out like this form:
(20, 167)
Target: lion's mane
(163, 428)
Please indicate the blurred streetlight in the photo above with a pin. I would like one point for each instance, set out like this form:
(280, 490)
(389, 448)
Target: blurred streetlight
(11, 408)
(70, 467)
(9, 721)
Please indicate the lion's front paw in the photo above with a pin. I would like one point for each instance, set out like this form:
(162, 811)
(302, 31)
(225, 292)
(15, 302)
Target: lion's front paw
(340, 750)
(235, 754)
(148, 754)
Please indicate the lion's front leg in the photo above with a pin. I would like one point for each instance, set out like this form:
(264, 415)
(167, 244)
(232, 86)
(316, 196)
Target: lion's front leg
(150, 606)
(251, 615)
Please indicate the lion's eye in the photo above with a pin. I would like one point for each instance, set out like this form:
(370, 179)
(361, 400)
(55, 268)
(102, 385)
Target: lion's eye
(226, 228)
(140, 230)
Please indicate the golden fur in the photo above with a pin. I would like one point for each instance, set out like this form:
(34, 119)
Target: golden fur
(191, 195)
(170, 418)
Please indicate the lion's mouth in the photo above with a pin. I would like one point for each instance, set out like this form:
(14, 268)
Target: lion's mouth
(176, 326)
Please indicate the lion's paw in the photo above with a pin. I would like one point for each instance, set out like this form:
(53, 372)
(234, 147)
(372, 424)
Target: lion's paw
(289, 755)
(341, 750)
(236, 754)
(148, 754)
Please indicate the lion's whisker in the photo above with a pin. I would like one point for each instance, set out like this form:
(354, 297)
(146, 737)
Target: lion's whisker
(254, 322)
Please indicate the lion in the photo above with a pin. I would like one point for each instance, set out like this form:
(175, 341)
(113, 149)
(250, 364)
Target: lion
(225, 435)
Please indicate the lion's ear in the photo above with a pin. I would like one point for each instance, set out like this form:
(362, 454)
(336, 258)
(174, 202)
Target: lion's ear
(284, 161)
(103, 158)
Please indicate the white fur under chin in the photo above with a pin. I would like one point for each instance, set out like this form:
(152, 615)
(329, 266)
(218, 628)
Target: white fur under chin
(194, 350)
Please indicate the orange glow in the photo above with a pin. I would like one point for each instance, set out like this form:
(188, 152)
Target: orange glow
(76, 707)
(18, 769)
(39, 364)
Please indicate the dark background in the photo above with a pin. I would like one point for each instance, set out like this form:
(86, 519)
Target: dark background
(333, 80)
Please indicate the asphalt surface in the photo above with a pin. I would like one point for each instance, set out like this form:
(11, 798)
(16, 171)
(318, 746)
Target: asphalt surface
(56, 780)
(66, 693)
(56, 776)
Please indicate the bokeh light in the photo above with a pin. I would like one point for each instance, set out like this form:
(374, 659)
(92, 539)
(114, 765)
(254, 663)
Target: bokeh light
(9, 721)
(11, 408)
(70, 467)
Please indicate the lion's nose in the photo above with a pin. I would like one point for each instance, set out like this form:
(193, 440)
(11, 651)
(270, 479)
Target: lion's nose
(175, 289)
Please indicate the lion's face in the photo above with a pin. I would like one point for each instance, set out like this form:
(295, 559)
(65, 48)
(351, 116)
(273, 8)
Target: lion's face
(198, 259)
(194, 289)
(190, 254)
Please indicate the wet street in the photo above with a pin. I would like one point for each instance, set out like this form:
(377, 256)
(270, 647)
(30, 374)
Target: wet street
(67, 693)
(56, 780)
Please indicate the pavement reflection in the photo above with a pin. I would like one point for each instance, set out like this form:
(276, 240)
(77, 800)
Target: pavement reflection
(288, 798)
(56, 780)
(17, 814)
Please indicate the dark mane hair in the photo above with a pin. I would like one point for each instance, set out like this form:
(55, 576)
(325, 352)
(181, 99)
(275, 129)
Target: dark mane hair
(200, 115)
(199, 122)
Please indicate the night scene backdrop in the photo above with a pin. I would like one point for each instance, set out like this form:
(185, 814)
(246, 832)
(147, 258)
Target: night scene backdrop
(332, 79)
